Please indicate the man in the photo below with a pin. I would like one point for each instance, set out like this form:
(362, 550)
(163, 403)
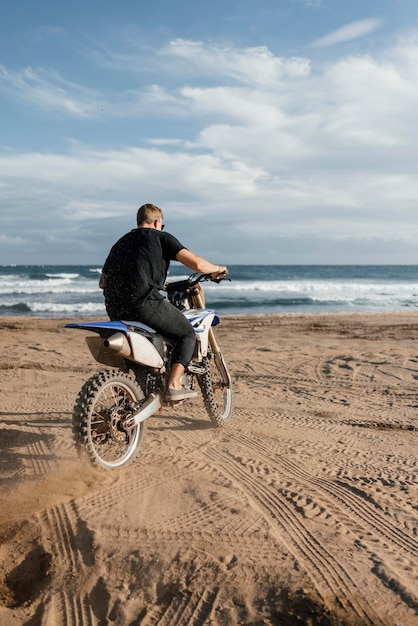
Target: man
(134, 273)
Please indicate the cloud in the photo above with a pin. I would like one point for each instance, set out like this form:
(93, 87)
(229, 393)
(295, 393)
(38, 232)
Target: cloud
(48, 91)
(351, 31)
(13, 241)
(302, 151)
(246, 65)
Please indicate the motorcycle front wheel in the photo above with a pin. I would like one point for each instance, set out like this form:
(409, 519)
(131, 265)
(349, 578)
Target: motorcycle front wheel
(217, 394)
(105, 401)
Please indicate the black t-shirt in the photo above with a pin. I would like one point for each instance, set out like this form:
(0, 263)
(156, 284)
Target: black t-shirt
(137, 265)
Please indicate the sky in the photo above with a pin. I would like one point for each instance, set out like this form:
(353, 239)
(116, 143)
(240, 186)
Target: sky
(268, 131)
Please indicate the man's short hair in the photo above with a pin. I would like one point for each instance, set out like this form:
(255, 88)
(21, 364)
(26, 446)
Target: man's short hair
(147, 214)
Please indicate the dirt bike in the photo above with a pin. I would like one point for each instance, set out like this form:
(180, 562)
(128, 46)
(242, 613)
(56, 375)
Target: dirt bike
(110, 413)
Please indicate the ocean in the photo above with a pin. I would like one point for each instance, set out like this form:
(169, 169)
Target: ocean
(72, 291)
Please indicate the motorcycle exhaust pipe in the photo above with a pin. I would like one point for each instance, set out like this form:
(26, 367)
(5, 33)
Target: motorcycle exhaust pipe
(118, 343)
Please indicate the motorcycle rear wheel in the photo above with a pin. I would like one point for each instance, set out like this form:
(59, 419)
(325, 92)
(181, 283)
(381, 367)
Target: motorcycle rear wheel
(217, 394)
(103, 403)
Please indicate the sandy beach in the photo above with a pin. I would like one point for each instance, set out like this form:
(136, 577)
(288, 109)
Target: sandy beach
(304, 510)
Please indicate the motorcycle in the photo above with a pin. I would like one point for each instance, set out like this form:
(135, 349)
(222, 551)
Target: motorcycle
(113, 406)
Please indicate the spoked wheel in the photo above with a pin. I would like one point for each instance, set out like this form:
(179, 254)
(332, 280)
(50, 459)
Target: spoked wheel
(216, 392)
(100, 430)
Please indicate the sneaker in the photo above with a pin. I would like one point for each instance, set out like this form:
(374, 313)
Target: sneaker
(180, 394)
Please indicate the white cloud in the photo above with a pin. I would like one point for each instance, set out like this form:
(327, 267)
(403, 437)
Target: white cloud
(13, 241)
(246, 65)
(48, 91)
(351, 31)
(328, 151)
(374, 100)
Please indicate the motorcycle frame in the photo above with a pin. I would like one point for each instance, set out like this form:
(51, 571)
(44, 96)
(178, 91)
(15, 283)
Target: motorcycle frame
(118, 343)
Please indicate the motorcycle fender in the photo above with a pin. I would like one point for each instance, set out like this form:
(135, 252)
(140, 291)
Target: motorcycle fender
(105, 355)
(144, 352)
(202, 343)
(202, 335)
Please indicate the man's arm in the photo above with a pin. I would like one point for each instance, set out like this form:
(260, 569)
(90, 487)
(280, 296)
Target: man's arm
(199, 264)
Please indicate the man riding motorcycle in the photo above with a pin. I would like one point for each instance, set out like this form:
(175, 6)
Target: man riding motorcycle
(134, 273)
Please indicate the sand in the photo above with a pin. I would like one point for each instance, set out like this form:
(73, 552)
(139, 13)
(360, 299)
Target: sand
(302, 511)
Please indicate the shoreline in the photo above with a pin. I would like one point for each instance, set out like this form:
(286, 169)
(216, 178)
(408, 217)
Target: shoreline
(229, 316)
(381, 317)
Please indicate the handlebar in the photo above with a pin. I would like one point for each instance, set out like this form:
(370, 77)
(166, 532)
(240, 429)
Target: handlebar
(193, 280)
(199, 278)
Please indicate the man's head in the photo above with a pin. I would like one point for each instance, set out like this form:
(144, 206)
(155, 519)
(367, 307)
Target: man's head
(147, 215)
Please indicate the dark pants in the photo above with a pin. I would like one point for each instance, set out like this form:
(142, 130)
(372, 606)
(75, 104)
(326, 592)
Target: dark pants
(166, 320)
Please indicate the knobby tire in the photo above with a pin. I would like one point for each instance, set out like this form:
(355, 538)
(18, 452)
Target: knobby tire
(217, 395)
(104, 400)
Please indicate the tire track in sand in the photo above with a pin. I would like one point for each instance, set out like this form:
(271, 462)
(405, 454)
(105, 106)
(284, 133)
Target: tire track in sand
(71, 545)
(358, 507)
(187, 609)
(331, 578)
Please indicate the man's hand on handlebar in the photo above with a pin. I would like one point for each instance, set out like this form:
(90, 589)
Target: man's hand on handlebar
(222, 271)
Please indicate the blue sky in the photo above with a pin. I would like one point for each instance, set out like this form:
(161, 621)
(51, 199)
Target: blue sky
(269, 131)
